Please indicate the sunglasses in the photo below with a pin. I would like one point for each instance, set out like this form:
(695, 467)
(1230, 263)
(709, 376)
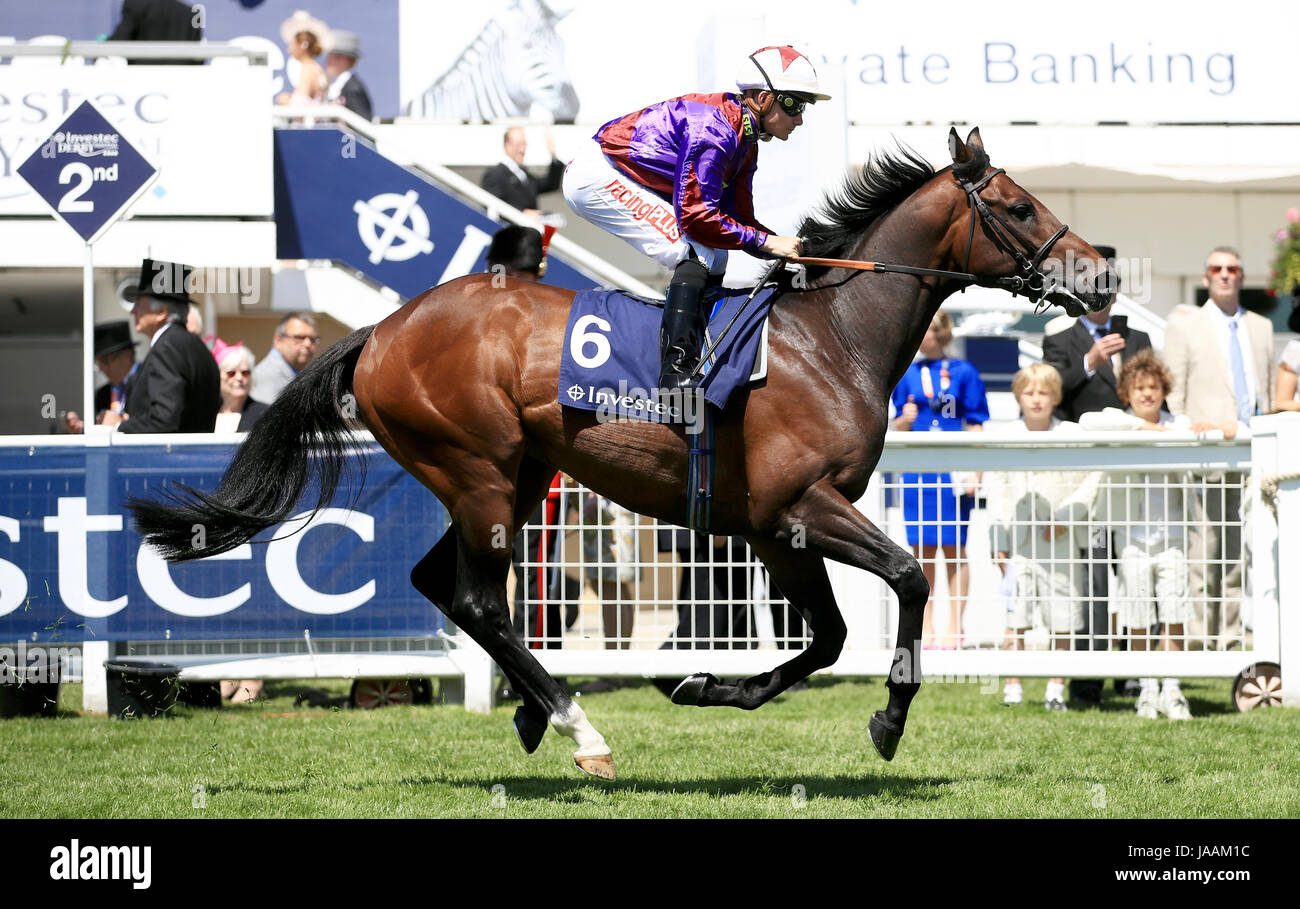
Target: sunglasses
(1230, 269)
(231, 373)
(313, 339)
(790, 104)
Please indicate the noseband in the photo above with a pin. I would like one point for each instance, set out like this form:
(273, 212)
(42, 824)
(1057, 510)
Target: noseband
(1031, 282)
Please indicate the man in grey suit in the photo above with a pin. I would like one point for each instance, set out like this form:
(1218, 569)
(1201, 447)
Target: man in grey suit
(296, 344)
(1221, 358)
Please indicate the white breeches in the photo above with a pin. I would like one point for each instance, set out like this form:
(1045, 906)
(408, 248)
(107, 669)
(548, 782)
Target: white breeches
(608, 198)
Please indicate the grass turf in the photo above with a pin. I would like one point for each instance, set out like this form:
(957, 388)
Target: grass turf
(805, 755)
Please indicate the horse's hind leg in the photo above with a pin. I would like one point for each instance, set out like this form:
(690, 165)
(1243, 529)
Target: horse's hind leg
(483, 518)
(801, 576)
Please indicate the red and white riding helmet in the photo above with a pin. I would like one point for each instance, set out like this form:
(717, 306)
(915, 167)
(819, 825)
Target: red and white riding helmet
(780, 69)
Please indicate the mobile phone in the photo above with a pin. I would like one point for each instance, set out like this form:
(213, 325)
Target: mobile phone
(1119, 326)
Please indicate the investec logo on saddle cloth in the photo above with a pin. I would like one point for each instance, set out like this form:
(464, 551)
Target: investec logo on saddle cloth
(610, 362)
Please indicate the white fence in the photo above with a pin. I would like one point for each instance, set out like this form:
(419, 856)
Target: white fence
(613, 601)
(622, 596)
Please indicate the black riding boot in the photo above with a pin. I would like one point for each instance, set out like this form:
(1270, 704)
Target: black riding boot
(679, 338)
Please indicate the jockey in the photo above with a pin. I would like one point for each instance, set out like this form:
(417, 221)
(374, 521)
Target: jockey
(675, 180)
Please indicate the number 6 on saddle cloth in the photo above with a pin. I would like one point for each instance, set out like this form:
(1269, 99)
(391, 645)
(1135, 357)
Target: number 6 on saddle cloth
(610, 365)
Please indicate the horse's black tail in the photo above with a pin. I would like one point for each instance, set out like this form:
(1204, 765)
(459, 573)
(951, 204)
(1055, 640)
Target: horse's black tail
(305, 428)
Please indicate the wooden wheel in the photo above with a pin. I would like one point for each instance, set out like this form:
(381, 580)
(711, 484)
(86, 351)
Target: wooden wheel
(1258, 686)
(371, 693)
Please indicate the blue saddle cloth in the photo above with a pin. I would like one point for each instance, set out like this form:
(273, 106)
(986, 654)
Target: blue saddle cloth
(610, 363)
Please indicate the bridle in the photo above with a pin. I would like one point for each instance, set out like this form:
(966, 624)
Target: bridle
(1031, 280)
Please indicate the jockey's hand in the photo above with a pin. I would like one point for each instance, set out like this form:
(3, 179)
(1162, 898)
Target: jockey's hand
(782, 247)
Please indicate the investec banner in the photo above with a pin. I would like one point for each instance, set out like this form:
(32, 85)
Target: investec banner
(73, 568)
(206, 128)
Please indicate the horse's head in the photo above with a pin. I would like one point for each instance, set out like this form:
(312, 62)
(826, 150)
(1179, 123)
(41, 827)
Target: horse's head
(1022, 244)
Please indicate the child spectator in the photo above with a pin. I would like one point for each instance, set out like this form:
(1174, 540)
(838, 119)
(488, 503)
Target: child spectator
(1150, 515)
(1042, 522)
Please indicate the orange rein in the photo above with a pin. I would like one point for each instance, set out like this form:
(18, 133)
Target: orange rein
(834, 263)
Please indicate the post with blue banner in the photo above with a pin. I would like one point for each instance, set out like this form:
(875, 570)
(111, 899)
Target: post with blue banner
(89, 175)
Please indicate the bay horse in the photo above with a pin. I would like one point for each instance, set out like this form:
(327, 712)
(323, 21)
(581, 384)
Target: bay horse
(460, 387)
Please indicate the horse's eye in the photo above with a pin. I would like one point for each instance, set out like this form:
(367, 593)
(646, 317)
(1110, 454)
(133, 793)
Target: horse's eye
(1023, 211)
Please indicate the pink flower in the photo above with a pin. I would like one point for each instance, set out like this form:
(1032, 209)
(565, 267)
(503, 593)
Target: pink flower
(1293, 215)
(1281, 234)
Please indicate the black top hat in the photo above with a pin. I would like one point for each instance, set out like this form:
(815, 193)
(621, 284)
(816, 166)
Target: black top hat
(1106, 252)
(166, 282)
(110, 337)
(517, 248)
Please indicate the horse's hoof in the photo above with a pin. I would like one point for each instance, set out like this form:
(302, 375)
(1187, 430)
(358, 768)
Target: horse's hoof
(689, 691)
(884, 735)
(530, 729)
(601, 766)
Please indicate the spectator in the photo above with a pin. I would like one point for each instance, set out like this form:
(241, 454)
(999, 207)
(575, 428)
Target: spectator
(296, 344)
(177, 388)
(1150, 515)
(517, 252)
(115, 358)
(612, 556)
(158, 20)
(1221, 359)
(238, 410)
(510, 183)
(1087, 351)
(345, 86)
(305, 37)
(1288, 396)
(1042, 520)
(938, 393)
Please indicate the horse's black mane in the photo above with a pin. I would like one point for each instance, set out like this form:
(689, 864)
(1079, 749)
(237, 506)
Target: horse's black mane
(866, 196)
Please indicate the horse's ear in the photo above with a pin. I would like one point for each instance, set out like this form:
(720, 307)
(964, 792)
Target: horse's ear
(957, 148)
(974, 141)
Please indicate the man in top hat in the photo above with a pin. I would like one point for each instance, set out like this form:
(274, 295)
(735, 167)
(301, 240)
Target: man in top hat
(177, 388)
(115, 357)
(345, 86)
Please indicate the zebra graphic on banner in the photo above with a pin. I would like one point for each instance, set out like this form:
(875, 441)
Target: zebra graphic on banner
(516, 61)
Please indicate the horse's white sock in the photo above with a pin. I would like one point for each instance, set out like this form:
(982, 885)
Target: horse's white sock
(574, 723)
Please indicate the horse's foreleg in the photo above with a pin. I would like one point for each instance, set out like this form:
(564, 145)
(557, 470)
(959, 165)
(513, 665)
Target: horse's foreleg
(801, 575)
(836, 529)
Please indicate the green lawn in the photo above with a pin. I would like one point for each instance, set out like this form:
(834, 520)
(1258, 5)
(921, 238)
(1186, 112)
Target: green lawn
(964, 755)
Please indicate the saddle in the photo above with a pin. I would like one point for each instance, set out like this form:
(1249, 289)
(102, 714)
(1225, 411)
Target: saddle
(610, 365)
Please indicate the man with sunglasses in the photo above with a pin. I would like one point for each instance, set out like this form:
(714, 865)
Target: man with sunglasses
(675, 180)
(296, 344)
(1221, 357)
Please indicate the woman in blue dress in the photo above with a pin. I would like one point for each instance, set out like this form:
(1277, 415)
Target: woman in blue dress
(940, 394)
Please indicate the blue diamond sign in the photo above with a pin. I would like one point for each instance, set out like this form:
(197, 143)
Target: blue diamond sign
(87, 172)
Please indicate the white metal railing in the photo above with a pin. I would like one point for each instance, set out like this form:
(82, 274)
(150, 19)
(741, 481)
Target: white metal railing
(616, 601)
(612, 596)
(388, 143)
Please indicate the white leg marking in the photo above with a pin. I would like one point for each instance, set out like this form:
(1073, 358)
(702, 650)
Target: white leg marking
(575, 725)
